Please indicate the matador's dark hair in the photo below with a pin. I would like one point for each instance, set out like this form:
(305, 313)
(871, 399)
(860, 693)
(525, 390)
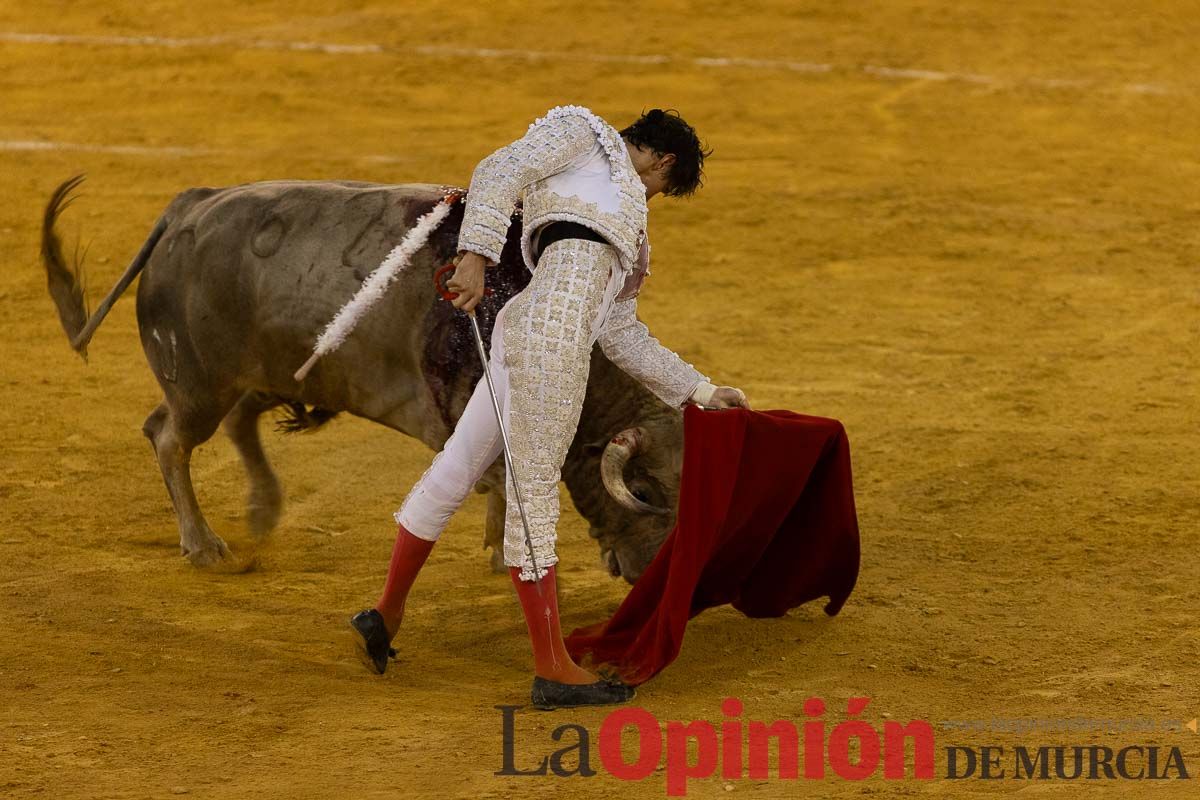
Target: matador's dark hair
(666, 132)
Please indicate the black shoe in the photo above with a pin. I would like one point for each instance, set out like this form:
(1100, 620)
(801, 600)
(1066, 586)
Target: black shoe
(549, 695)
(373, 645)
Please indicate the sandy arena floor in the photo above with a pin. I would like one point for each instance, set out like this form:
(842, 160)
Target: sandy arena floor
(966, 229)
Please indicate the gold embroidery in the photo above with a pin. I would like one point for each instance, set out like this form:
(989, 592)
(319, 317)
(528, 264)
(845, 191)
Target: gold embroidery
(514, 173)
(499, 179)
(620, 229)
(627, 342)
(547, 345)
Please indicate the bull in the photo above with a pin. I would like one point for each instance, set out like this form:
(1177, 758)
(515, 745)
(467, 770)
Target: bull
(236, 284)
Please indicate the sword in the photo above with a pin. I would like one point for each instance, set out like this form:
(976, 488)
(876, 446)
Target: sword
(487, 375)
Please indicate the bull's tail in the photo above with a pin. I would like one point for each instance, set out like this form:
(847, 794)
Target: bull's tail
(66, 282)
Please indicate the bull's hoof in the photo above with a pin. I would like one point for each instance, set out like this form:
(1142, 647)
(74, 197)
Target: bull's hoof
(548, 695)
(374, 647)
(498, 565)
(207, 554)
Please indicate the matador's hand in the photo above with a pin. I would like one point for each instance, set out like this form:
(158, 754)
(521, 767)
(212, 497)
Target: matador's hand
(729, 397)
(467, 281)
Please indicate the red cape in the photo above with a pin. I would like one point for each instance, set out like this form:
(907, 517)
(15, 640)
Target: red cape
(766, 522)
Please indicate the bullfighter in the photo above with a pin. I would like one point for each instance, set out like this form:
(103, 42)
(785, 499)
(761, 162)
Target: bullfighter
(583, 187)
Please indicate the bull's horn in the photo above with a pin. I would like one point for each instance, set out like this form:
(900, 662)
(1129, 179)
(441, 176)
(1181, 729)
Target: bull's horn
(622, 447)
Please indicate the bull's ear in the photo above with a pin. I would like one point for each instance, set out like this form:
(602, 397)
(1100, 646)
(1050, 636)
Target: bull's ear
(596, 448)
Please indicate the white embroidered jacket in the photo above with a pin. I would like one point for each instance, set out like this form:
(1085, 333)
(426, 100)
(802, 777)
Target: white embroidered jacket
(572, 165)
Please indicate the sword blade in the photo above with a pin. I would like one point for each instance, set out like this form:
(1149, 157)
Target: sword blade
(508, 460)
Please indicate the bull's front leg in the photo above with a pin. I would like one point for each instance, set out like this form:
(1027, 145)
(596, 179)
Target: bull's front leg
(493, 533)
(491, 483)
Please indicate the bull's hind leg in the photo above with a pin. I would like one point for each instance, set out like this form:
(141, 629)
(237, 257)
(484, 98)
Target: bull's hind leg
(265, 501)
(174, 436)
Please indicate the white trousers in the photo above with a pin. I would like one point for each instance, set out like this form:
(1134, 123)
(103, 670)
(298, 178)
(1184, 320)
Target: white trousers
(539, 360)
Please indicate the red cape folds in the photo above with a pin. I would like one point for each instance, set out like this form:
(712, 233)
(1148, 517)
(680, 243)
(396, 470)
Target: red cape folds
(766, 522)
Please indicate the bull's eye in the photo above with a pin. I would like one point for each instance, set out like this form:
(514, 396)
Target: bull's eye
(642, 492)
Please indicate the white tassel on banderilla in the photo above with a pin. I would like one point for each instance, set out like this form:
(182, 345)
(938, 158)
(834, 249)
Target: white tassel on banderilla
(377, 283)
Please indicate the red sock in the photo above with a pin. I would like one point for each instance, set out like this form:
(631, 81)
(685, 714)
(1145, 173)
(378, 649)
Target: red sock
(550, 658)
(408, 556)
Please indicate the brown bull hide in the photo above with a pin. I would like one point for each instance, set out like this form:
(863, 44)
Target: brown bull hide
(237, 283)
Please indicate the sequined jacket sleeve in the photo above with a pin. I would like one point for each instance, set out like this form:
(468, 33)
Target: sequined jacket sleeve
(547, 148)
(627, 342)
